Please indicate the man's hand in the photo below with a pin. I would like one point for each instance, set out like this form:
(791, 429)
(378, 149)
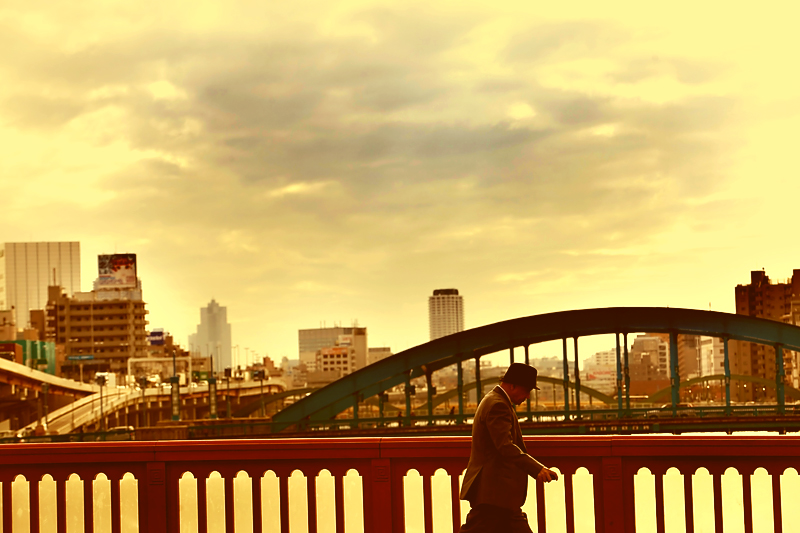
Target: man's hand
(546, 475)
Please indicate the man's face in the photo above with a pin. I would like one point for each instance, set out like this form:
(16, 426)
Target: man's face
(518, 394)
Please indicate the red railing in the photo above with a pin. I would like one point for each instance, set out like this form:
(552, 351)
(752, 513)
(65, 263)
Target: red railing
(602, 488)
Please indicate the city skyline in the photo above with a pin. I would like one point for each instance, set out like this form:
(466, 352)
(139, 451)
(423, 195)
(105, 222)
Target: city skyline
(333, 162)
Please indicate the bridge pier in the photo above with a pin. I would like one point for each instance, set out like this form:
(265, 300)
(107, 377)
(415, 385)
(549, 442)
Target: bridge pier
(727, 365)
(478, 384)
(675, 379)
(460, 385)
(408, 391)
(779, 374)
(428, 380)
(627, 373)
(577, 380)
(528, 401)
(565, 383)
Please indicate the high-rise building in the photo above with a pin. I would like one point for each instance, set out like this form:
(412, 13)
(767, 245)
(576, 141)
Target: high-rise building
(445, 313)
(100, 330)
(712, 356)
(213, 337)
(688, 354)
(648, 359)
(762, 299)
(28, 268)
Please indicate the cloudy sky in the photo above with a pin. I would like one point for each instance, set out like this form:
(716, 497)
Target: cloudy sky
(317, 162)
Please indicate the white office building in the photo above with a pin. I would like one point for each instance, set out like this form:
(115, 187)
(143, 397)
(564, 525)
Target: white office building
(445, 313)
(712, 356)
(28, 268)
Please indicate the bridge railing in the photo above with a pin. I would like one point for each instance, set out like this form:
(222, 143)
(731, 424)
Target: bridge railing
(383, 485)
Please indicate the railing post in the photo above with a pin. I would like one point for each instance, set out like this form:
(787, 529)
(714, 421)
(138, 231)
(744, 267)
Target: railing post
(381, 493)
(611, 493)
(155, 494)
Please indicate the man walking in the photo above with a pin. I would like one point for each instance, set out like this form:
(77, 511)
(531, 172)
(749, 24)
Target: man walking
(496, 480)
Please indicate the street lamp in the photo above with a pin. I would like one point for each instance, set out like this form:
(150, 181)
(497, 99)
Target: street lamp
(101, 380)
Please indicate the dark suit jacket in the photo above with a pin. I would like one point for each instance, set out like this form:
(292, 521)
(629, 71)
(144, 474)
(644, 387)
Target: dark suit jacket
(499, 465)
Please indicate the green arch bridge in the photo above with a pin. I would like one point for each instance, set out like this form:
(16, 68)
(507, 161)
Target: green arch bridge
(371, 383)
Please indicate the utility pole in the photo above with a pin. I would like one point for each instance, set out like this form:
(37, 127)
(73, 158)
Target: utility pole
(212, 392)
(143, 385)
(46, 390)
(228, 374)
(175, 392)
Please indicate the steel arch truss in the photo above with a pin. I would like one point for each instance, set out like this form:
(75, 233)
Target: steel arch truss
(426, 358)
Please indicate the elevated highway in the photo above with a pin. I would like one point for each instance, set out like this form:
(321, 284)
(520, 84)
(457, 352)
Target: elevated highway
(142, 408)
(26, 393)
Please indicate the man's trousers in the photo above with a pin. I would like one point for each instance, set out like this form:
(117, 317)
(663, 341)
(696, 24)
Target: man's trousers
(486, 518)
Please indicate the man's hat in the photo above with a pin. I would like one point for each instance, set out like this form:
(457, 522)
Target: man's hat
(522, 375)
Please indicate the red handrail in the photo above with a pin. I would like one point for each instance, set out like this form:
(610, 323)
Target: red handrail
(383, 463)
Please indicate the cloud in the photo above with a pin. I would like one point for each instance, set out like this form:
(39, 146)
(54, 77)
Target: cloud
(298, 188)
(375, 163)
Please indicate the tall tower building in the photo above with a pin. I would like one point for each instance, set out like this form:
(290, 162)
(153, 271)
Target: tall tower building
(28, 268)
(213, 337)
(762, 299)
(445, 313)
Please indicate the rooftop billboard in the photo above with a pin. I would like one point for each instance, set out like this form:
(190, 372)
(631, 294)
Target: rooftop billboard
(116, 271)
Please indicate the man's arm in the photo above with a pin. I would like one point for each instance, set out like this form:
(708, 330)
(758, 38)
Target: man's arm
(500, 425)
